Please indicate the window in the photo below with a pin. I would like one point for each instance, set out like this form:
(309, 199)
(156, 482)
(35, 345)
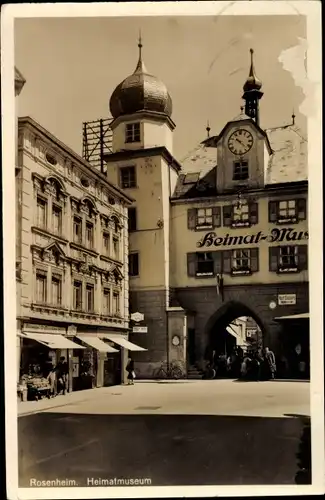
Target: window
(116, 248)
(77, 230)
(287, 210)
(41, 287)
(205, 264)
(128, 177)
(90, 298)
(288, 258)
(77, 295)
(41, 213)
(106, 240)
(116, 304)
(132, 132)
(134, 264)
(240, 172)
(56, 219)
(204, 218)
(89, 235)
(106, 302)
(132, 212)
(56, 290)
(242, 215)
(240, 261)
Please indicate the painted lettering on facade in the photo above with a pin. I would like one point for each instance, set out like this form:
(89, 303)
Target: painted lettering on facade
(277, 235)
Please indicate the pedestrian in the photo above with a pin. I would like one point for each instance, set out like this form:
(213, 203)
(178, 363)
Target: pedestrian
(52, 381)
(270, 362)
(62, 375)
(131, 372)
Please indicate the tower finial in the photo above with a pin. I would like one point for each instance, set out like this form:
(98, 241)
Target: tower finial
(252, 92)
(140, 66)
(293, 116)
(208, 128)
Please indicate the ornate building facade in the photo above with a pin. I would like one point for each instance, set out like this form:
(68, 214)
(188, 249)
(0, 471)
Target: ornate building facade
(220, 236)
(71, 262)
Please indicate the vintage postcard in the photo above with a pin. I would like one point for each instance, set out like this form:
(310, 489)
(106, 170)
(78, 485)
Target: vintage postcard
(162, 184)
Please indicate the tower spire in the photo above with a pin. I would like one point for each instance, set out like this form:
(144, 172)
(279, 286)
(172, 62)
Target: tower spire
(252, 92)
(208, 128)
(140, 66)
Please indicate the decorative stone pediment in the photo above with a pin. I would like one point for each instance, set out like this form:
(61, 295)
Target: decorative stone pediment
(53, 253)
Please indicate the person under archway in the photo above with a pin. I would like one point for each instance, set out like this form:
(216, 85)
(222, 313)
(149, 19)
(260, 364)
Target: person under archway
(270, 363)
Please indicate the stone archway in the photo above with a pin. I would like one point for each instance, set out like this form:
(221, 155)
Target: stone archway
(227, 313)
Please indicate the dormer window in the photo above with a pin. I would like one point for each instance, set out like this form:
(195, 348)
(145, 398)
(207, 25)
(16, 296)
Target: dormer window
(132, 132)
(240, 172)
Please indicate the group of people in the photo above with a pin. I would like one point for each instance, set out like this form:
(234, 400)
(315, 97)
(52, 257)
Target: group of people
(58, 378)
(255, 364)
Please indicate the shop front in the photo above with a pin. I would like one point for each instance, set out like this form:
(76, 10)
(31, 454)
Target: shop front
(41, 354)
(295, 341)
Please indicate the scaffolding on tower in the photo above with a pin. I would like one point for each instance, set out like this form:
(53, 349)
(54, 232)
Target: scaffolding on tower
(97, 142)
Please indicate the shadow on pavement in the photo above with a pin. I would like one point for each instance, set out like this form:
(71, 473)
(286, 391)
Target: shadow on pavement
(167, 449)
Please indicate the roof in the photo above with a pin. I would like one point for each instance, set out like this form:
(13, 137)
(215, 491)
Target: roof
(289, 161)
(287, 164)
(27, 120)
(19, 77)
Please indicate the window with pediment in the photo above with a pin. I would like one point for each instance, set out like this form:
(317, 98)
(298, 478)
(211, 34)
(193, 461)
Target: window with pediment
(50, 197)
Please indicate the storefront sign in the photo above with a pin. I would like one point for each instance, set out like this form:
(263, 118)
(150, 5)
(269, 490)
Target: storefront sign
(288, 299)
(140, 329)
(276, 236)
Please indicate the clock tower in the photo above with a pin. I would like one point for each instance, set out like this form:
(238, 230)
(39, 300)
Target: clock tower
(252, 93)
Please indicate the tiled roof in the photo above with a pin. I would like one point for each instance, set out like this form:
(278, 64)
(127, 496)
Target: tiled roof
(288, 163)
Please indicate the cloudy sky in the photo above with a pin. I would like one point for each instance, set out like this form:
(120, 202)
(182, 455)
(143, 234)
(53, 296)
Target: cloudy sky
(72, 66)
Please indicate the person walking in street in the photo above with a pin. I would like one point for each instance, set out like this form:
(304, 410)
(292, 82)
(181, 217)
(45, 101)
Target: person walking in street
(270, 362)
(131, 372)
(52, 381)
(62, 375)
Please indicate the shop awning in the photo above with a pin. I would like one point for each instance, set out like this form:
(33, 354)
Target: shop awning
(54, 341)
(232, 331)
(119, 340)
(96, 343)
(294, 316)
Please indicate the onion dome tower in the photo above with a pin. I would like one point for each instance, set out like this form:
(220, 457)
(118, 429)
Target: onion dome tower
(252, 93)
(140, 92)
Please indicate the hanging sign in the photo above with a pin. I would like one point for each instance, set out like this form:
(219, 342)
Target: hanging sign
(276, 235)
(137, 317)
(288, 299)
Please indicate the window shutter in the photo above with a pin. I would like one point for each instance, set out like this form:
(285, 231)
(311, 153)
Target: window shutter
(253, 213)
(303, 257)
(227, 215)
(301, 209)
(226, 261)
(216, 212)
(191, 264)
(191, 218)
(273, 258)
(273, 211)
(254, 260)
(217, 262)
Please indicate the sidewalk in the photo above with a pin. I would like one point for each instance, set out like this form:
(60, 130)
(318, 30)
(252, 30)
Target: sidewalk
(30, 407)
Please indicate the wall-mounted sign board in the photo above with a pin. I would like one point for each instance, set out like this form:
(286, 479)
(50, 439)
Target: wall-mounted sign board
(288, 299)
(140, 329)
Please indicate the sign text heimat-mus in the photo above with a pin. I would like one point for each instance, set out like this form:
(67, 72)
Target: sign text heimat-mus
(277, 235)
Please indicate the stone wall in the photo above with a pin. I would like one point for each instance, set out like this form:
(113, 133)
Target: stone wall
(153, 305)
(254, 298)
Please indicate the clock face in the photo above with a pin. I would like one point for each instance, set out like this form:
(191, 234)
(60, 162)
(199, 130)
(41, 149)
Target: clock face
(240, 142)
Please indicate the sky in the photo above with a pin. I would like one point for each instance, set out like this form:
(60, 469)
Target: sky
(72, 66)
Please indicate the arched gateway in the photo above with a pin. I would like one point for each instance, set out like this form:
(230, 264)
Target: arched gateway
(216, 327)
